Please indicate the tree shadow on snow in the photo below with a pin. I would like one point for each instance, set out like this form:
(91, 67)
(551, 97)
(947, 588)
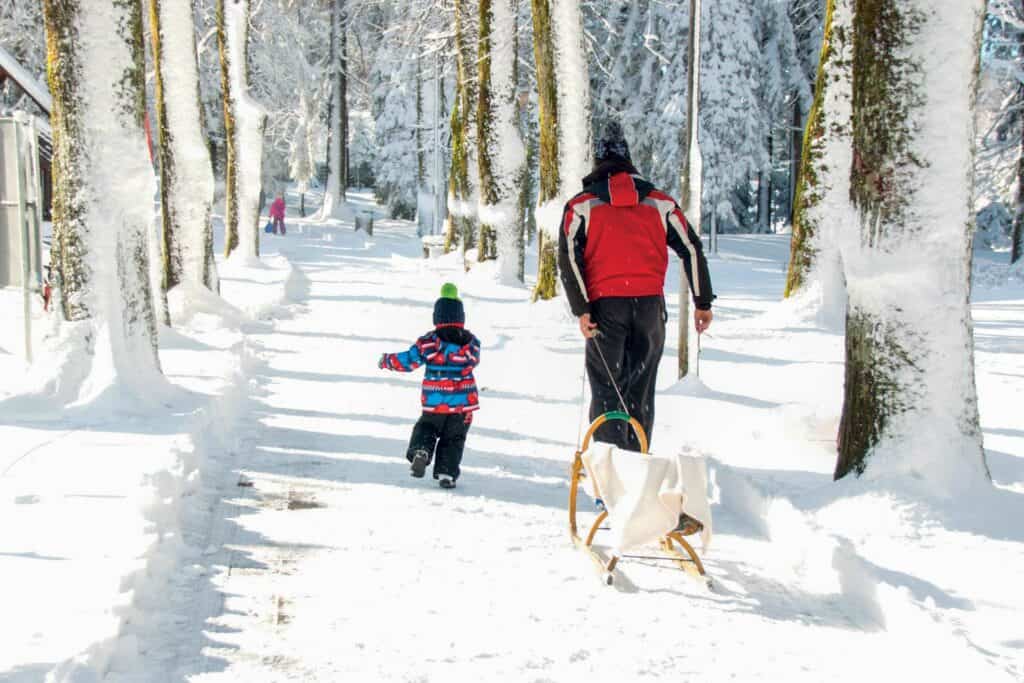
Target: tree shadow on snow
(521, 480)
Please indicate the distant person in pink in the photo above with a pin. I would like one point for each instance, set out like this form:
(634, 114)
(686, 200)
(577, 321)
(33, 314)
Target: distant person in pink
(277, 214)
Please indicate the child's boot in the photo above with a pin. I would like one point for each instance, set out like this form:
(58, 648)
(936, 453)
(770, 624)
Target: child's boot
(420, 460)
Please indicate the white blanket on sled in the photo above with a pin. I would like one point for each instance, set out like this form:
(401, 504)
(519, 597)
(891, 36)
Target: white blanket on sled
(644, 494)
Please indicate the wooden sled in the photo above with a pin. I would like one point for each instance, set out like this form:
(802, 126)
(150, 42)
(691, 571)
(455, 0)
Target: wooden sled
(685, 557)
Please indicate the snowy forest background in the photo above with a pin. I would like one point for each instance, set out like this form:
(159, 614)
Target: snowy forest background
(759, 63)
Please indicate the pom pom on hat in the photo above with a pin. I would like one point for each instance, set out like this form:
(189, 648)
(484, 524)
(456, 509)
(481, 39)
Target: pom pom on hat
(449, 291)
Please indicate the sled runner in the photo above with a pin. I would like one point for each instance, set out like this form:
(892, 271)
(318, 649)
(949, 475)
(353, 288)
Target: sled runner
(672, 545)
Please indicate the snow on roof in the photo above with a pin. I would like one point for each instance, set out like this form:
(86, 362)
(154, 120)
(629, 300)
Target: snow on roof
(39, 93)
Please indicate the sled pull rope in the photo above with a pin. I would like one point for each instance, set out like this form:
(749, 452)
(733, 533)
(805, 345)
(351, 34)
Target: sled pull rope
(611, 377)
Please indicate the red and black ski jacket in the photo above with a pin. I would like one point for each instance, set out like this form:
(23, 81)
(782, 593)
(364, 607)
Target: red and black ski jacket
(615, 237)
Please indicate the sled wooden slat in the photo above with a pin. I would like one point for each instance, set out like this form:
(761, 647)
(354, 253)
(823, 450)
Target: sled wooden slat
(685, 557)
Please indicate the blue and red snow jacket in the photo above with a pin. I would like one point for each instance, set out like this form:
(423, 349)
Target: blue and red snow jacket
(450, 354)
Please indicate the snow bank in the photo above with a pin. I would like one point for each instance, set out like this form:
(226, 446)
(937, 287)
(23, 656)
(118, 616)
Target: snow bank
(115, 497)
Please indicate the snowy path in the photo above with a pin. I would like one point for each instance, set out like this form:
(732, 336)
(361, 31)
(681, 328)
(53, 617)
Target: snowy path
(336, 565)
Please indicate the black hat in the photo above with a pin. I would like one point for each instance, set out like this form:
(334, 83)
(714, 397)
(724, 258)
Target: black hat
(448, 310)
(611, 143)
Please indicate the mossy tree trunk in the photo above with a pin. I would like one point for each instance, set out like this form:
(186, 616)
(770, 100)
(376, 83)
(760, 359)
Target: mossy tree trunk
(186, 187)
(69, 254)
(823, 180)
(462, 225)
(487, 248)
(96, 71)
(245, 121)
(547, 104)
(910, 404)
(230, 136)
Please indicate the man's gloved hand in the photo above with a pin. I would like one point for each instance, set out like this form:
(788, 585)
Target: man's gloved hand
(702, 319)
(382, 363)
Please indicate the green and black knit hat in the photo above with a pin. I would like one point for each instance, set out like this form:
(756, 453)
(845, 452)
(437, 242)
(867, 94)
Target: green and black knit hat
(448, 310)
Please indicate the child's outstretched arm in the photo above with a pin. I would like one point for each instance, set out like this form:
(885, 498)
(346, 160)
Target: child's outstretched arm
(425, 350)
(406, 361)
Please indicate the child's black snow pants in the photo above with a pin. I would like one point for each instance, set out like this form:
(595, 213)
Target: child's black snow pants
(632, 338)
(445, 432)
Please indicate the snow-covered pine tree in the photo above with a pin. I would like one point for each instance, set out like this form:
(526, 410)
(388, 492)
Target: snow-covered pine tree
(563, 90)
(501, 154)
(186, 176)
(807, 19)
(337, 177)
(462, 187)
(734, 125)
(781, 77)
(21, 34)
(244, 121)
(102, 189)
(393, 121)
(910, 404)
(821, 209)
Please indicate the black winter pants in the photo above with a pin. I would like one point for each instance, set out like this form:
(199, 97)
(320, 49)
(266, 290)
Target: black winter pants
(446, 433)
(632, 338)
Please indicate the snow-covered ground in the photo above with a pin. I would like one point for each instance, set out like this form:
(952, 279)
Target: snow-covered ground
(307, 553)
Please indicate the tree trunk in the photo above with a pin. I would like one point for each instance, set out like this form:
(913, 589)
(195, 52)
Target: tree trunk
(245, 133)
(334, 205)
(795, 152)
(910, 406)
(230, 137)
(103, 184)
(1017, 235)
(824, 178)
(564, 119)
(485, 133)
(547, 104)
(764, 192)
(691, 182)
(462, 218)
(186, 187)
(525, 209)
(500, 151)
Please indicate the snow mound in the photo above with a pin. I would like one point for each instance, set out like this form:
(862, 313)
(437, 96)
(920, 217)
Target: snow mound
(189, 301)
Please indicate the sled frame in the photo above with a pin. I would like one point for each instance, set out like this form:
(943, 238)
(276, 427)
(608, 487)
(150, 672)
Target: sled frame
(685, 556)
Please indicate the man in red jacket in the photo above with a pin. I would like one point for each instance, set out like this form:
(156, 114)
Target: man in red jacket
(613, 255)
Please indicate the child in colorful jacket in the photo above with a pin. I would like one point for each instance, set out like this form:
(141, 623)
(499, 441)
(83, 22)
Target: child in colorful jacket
(449, 394)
